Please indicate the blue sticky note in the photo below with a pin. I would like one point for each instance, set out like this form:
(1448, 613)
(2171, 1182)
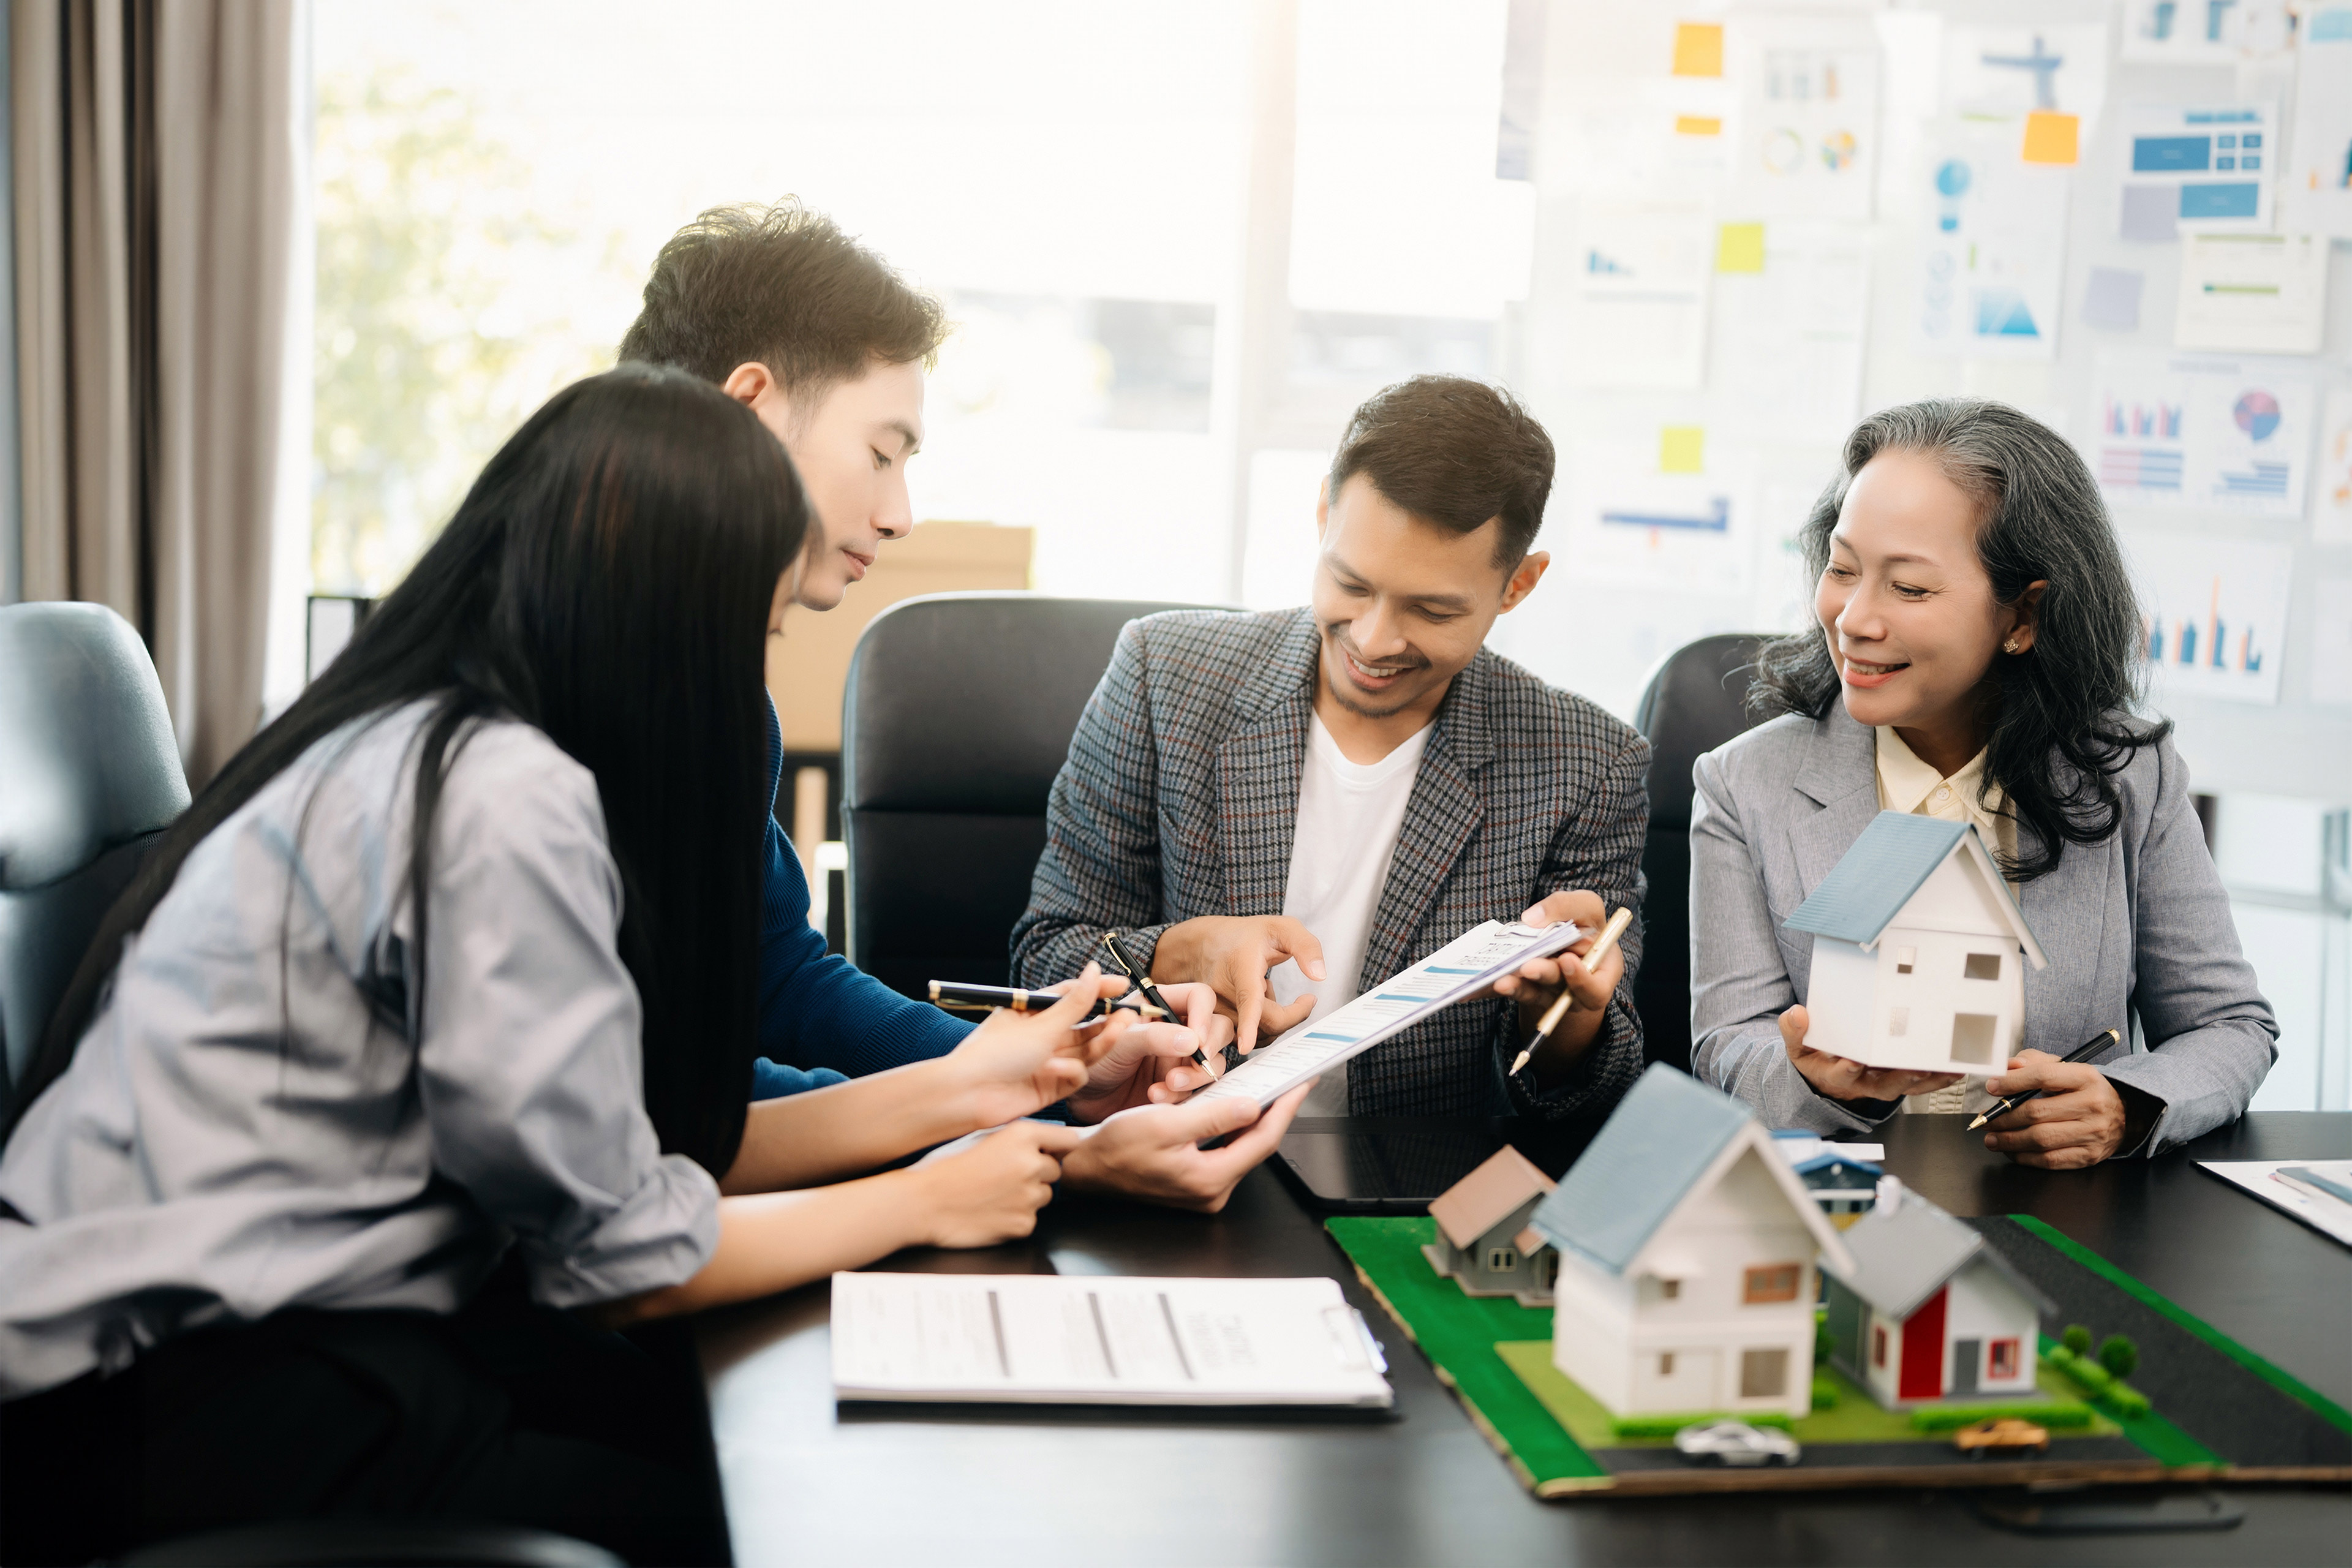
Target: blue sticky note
(2235, 198)
(2172, 155)
(2112, 299)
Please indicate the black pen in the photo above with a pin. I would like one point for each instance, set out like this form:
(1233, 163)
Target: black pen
(1143, 984)
(955, 993)
(2082, 1052)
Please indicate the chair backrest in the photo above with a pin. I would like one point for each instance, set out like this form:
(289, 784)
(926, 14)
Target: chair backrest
(88, 773)
(1694, 702)
(958, 715)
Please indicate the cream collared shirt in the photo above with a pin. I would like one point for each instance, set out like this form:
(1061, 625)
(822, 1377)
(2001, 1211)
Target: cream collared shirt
(1907, 783)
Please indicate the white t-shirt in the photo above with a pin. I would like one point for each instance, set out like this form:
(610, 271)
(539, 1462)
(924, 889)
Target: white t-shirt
(1349, 815)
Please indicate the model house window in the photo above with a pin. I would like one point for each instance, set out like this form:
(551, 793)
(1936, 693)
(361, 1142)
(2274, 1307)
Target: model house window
(1898, 1021)
(1763, 1374)
(1773, 1282)
(1501, 1259)
(1983, 966)
(1904, 957)
(1972, 1037)
(1666, 1364)
(1670, 1288)
(1877, 1346)
(2003, 1360)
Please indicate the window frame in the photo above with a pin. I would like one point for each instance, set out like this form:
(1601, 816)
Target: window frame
(1760, 1284)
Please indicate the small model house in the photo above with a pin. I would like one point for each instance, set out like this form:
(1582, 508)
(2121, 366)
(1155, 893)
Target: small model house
(1925, 1309)
(1687, 1247)
(1843, 1185)
(1482, 1237)
(1916, 951)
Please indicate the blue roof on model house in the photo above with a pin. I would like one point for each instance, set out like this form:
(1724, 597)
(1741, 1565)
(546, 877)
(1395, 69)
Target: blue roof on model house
(1662, 1138)
(1887, 865)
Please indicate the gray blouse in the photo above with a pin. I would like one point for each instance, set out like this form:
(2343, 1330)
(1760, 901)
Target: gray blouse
(259, 1118)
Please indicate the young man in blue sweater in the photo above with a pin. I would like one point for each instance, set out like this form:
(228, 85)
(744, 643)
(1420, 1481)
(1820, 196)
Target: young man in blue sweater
(827, 345)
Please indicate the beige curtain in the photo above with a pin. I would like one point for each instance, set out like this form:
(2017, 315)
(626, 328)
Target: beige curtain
(155, 167)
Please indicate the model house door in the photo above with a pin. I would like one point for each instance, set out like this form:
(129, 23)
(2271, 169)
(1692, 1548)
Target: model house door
(1670, 1382)
(1968, 1355)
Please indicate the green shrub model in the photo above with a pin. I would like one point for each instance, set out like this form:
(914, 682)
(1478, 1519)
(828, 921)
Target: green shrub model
(2119, 1356)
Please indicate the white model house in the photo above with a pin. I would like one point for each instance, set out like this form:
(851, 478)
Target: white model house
(1686, 1247)
(1918, 952)
(1482, 1238)
(1922, 1309)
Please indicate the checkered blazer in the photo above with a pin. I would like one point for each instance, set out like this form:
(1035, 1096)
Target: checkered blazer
(1181, 796)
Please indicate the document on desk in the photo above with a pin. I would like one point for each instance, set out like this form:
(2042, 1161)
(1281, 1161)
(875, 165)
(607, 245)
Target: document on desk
(2317, 1191)
(1033, 1339)
(1460, 969)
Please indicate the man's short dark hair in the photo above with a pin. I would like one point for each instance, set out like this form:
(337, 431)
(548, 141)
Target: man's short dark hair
(782, 286)
(1454, 452)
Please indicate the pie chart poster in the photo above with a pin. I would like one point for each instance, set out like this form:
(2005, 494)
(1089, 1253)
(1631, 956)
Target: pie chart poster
(2186, 431)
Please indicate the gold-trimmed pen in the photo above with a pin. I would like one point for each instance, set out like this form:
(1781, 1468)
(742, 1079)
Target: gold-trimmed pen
(1015, 998)
(1558, 1010)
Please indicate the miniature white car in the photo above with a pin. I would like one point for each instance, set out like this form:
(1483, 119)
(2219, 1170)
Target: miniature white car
(1736, 1443)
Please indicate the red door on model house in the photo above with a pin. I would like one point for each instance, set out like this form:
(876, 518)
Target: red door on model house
(1922, 1372)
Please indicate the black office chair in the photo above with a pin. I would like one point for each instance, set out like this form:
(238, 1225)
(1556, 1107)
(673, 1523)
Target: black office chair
(89, 773)
(958, 715)
(1694, 702)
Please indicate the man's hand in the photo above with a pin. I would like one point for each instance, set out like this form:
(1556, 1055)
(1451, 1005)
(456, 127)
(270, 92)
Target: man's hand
(1536, 984)
(1231, 955)
(1839, 1078)
(2078, 1120)
(1153, 1152)
(1018, 1063)
(1150, 1064)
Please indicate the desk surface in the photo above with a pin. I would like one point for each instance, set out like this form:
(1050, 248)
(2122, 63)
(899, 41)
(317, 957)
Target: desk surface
(807, 1483)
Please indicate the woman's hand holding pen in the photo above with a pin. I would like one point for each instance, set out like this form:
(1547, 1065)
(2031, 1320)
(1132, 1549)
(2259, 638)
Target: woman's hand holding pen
(1016, 1064)
(1150, 1064)
(2076, 1119)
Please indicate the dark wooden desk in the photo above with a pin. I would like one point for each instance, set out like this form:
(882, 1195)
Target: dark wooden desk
(808, 1484)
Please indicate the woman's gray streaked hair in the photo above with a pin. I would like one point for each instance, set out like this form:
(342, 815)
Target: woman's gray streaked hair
(2061, 716)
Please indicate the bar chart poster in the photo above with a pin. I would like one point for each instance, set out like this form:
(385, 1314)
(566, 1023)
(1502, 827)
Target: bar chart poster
(2175, 432)
(2213, 615)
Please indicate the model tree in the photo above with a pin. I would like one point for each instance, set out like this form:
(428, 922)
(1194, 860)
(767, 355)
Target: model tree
(2119, 1356)
(2076, 1339)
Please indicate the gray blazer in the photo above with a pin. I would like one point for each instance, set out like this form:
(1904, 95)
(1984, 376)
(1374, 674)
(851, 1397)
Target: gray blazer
(1180, 796)
(2137, 930)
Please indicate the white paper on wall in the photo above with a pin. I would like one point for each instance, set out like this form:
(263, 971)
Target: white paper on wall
(1992, 253)
(2173, 430)
(2213, 615)
(2252, 293)
(1637, 296)
(1806, 132)
(2218, 162)
(2331, 640)
(1789, 338)
(2203, 32)
(1630, 523)
(2316, 182)
(2331, 508)
(2013, 71)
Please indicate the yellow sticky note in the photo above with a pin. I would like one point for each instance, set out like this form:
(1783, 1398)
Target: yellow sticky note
(2051, 138)
(1698, 125)
(1740, 247)
(1681, 449)
(1698, 49)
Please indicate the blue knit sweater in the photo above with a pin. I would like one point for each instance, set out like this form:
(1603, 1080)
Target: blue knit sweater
(820, 1019)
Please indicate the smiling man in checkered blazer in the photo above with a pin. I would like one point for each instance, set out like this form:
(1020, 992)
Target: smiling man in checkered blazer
(1295, 805)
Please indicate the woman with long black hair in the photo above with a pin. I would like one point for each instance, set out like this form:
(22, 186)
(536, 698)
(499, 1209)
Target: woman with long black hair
(1975, 657)
(432, 1020)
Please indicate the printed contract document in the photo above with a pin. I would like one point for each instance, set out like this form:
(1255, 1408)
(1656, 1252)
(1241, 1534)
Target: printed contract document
(1468, 964)
(1101, 1339)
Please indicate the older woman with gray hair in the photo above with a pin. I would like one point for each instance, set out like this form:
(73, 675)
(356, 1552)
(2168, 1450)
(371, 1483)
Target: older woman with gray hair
(1975, 657)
